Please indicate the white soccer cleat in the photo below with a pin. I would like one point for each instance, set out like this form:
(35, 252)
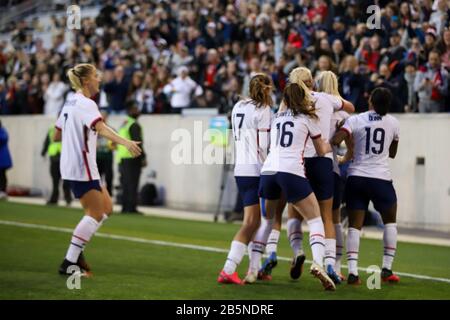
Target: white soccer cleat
(320, 274)
(251, 277)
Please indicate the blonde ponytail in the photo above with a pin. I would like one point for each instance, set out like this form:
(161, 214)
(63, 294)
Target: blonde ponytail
(328, 83)
(78, 73)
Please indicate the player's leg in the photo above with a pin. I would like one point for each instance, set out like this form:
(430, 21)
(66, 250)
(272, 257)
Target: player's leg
(309, 208)
(337, 199)
(385, 201)
(357, 201)
(269, 192)
(299, 193)
(295, 237)
(93, 202)
(320, 172)
(271, 261)
(248, 188)
(355, 223)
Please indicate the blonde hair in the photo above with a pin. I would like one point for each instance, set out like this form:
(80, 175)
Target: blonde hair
(294, 96)
(327, 82)
(261, 90)
(299, 76)
(79, 73)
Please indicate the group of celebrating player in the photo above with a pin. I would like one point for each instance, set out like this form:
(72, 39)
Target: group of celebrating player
(285, 158)
(291, 158)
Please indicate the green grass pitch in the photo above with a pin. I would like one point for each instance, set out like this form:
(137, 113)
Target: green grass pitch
(136, 270)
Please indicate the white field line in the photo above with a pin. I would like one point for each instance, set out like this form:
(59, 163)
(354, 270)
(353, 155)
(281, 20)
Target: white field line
(186, 246)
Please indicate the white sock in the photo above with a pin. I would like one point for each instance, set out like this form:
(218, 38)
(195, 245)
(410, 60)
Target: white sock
(295, 235)
(339, 246)
(330, 252)
(272, 243)
(259, 243)
(352, 250)
(104, 217)
(81, 236)
(390, 244)
(317, 239)
(237, 251)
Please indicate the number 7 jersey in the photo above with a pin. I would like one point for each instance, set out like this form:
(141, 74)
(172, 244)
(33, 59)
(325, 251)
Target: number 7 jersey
(372, 137)
(251, 129)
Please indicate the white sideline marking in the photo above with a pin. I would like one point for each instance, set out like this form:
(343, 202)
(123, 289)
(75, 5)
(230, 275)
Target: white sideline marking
(183, 245)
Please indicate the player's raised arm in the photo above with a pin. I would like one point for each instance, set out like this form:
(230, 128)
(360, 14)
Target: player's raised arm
(108, 133)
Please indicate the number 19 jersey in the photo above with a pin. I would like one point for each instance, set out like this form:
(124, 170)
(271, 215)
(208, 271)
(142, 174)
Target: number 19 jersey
(288, 137)
(372, 137)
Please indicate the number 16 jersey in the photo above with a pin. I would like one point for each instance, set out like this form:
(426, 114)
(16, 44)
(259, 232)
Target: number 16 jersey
(372, 137)
(288, 137)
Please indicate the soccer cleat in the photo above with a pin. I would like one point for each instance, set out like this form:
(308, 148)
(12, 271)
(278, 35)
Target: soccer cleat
(297, 266)
(388, 276)
(353, 280)
(229, 278)
(266, 270)
(343, 278)
(333, 275)
(68, 268)
(82, 263)
(320, 274)
(264, 277)
(251, 277)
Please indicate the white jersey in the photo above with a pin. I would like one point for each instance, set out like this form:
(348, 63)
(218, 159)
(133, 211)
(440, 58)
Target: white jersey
(79, 139)
(288, 137)
(251, 126)
(336, 118)
(372, 137)
(325, 104)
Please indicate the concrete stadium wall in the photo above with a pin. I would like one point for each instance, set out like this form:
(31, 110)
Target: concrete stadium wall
(423, 190)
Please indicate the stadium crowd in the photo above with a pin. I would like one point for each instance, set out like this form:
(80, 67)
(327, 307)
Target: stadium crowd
(168, 55)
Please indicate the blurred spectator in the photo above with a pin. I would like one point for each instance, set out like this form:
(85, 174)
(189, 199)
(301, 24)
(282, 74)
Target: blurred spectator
(153, 39)
(52, 149)
(432, 84)
(54, 95)
(5, 161)
(181, 89)
(130, 168)
(410, 76)
(116, 88)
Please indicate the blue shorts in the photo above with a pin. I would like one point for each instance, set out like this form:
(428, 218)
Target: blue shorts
(79, 188)
(360, 190)
(319, 171)
(337, 194)
(294, 187)
(248, 189)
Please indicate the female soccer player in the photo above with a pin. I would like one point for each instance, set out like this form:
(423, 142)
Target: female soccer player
(251, 120)
(283, 171)
(319, 170)
(328, 83)
(375, 135)
(77, 126)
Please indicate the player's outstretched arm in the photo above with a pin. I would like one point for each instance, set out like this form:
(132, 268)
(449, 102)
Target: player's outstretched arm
(108, 133)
